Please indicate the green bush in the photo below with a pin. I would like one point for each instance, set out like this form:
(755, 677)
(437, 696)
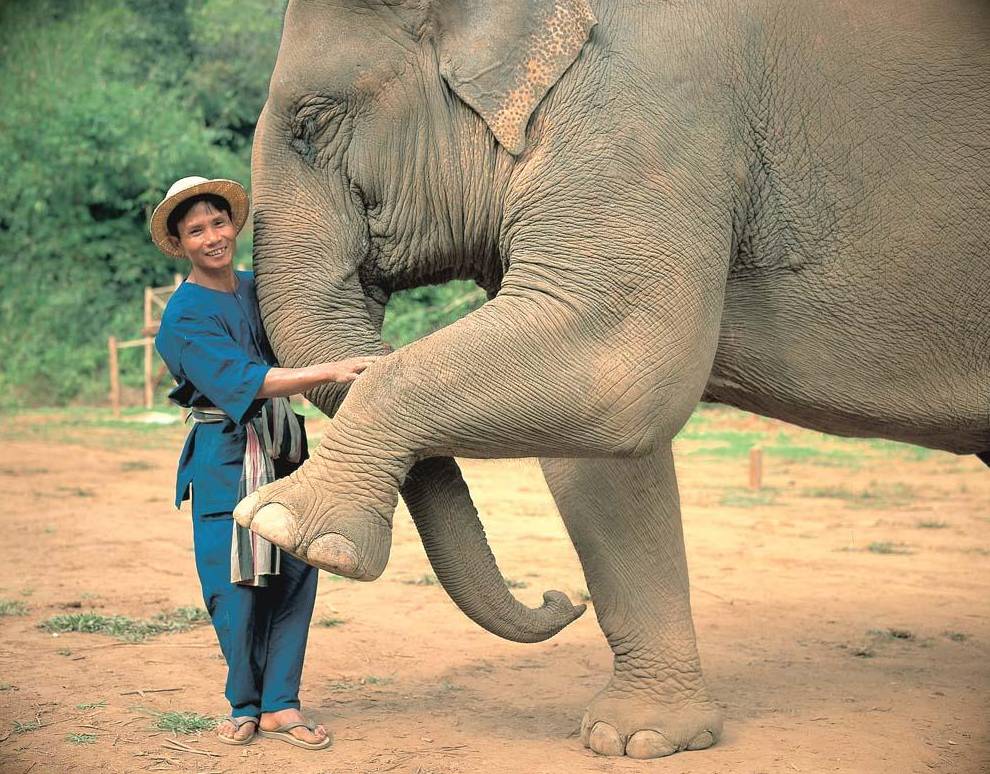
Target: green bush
(105, 104)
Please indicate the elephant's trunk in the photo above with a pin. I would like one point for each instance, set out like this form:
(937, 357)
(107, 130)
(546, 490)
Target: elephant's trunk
(312, 317)
(448, 523)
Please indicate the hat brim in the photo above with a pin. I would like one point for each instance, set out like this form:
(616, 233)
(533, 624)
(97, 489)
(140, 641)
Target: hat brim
(230, 190)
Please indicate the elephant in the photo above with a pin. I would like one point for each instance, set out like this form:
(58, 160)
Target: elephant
(784, 207)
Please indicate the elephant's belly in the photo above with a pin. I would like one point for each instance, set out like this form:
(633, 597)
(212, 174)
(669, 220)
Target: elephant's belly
(855, 366)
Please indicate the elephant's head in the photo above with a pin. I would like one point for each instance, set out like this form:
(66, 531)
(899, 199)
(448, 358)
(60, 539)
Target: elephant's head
(381, 161)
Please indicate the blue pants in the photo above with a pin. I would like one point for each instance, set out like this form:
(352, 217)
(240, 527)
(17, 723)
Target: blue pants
(262, 631)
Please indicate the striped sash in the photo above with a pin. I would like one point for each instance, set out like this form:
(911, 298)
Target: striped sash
(273, 434)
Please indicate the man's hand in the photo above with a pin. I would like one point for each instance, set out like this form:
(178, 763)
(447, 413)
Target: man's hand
(295, 381)
(344, 371)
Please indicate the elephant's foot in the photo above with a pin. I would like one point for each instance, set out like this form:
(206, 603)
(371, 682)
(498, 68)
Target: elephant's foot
(628, 722)
(333, 533)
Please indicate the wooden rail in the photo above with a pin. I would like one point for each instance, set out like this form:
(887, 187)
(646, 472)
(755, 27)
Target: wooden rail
(155, 300)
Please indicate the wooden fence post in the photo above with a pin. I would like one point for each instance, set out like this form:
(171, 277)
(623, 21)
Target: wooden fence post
(114, 377)
(149, 385)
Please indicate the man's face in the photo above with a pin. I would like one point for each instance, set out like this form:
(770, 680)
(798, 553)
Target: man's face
(207, 237)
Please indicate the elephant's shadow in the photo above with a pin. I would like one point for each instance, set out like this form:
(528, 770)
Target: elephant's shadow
(541, 693)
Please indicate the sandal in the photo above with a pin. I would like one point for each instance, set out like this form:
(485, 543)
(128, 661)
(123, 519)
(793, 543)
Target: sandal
(282, 732)
(238, 722)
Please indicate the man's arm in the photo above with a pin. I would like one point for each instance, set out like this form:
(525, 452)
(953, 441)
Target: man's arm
(282, 382)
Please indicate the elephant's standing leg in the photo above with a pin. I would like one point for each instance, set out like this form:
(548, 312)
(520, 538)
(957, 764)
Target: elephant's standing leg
(624, 518)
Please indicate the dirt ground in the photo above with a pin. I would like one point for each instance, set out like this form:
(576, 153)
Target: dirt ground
(842, 611)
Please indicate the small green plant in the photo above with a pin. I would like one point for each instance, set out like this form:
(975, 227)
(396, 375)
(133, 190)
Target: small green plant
(136, 465)
(81, 738)
(75, 491)
(26, 728)
(12, 607)
(124, 628)
(423, 580)
(64, 652)
(330, 621)
(8, 687)
(887, 547)
(91, 705)
(955, 636)
(184, 722)
(932, 524)
(375, 680)
(737, 497)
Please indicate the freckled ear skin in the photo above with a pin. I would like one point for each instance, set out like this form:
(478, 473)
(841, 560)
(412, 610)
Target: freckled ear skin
(501, 58)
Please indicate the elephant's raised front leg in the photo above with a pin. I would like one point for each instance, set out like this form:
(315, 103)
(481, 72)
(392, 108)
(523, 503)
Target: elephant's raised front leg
(624, 519)
(526, 375)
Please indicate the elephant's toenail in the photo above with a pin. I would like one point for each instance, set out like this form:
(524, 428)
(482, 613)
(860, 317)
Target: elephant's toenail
(605, 740)
(702, 741)
(274, 522)
(649, 744)
(334, 553)
(244, 511)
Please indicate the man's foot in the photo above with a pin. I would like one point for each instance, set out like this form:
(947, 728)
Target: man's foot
(237, 730)
(271, 721)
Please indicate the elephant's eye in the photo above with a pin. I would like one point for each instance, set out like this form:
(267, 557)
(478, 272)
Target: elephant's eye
(315, 128)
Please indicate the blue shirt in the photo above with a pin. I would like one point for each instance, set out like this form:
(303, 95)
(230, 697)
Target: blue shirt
(215, 346)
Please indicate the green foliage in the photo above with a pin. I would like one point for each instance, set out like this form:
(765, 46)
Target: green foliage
(100, 117)
(412, 314)
(105, 104)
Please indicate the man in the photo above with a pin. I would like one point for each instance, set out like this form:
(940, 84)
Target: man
(244, 434)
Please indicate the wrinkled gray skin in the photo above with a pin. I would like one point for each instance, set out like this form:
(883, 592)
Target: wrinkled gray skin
(780, 206)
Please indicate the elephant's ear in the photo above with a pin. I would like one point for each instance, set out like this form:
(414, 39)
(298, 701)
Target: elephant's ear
(502, 58)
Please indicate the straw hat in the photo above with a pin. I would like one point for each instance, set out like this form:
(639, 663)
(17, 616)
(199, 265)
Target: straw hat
(186, 188)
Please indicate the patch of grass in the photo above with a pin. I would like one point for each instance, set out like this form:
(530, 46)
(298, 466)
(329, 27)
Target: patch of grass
(80, 738)
(738, 497)
(931, 524)
(955, 636)
(887, 547)
(64, 652)
(12, 607)
(897, 449)
(863, 651)
(516, 584)
(8, 687)
(124, 628)
(75, 491)
(423, 580)
(91, 705)
(343, 685)
(131, 465)
(375, 680)
(184, 722)
(873, 496)
(329, 621)
(26, 728)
